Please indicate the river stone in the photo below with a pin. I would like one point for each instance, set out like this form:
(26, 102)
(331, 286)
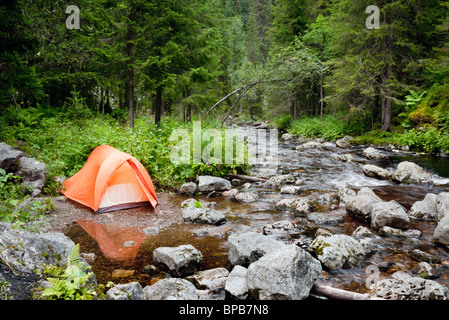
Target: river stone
(246, 197)
(33, 173)
(425, 209)
(425, 270)
(26, 252)
(373, 171)
(277, 181)
(433, 207)
(9, 157)
(300, 206)
(390, 214)
(171, 289)
(188, 188)
(339, 251)
(441, 233)
(203, 215)
(309, 145)
(285, 274)
(236, 284)
(212, 279)
(361, 205)
(411, 288)
(128, 291)
(372, 153)
(209, 183)
(291, 190)
(248, 247)
(409, 172)
(442, 204)
(280, 227)
(181, 261)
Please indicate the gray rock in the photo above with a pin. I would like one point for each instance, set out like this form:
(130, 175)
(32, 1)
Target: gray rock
(362, 232)
(347, 157)
(327, 218)
(420, 255)
(9, 157)
(249, 247)
(425, 271)
(171, 289)
(230, 194)
(433, 207)
(342, 143)
(300, 206)
(361, 205)
(442, 205)
(411, 288)
(389, 231)
(209, 183)
(376, 172)
(277, 181)
(309, 145)
(280, 227)
(203, 215)
(390, 214)
(26, 252)
(128, 291)
(246, 197)
(236, 284)
(291, 190)
(409, 172)
(213, 280)
(425, 209)
(441, 233)
(188, 188)
(150, 231)
(339, 251)
(372, 153)
(287, 137)
(33, 173)
(345, 195)
(181, 261)
(285, 274)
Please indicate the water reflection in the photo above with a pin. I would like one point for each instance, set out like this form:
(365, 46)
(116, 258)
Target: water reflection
(115, 242)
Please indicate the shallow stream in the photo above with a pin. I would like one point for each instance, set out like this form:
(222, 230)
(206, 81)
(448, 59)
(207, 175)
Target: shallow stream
(320, 174)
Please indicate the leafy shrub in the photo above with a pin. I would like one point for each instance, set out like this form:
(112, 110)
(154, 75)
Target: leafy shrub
(70, 282)
(331, 129)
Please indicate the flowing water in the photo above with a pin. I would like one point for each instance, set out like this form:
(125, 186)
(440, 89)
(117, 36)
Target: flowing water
(320, 174)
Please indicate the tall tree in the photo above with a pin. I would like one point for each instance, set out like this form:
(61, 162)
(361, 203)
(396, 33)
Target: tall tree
(385, 60)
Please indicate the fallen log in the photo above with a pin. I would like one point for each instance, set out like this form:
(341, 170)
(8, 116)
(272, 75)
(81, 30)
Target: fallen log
(339, 294)
(246, 178)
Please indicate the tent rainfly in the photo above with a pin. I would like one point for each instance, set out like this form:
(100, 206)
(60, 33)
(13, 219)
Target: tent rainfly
(111, 180)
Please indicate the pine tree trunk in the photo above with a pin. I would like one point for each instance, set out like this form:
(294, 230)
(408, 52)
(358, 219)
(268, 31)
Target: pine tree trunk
(130, 79)
(158, 106)
(386, 114)
(131, 97)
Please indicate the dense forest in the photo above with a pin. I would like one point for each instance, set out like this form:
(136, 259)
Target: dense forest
(380, 75)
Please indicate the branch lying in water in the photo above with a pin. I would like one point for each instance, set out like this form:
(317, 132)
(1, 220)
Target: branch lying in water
(339, 294)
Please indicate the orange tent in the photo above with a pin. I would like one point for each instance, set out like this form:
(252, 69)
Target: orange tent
(111, 180)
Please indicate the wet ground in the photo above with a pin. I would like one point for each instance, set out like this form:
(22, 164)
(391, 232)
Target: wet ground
(105, 235)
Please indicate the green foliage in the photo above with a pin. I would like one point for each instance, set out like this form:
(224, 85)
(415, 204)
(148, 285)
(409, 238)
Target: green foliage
(70, 282)
(64, 146)
(16, 206)
(283, 122)
(331, 129)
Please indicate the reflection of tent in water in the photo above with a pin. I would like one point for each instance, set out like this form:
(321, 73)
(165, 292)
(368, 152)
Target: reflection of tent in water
(112, 239)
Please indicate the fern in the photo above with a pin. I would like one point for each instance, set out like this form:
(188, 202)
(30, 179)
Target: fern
(69, 282)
